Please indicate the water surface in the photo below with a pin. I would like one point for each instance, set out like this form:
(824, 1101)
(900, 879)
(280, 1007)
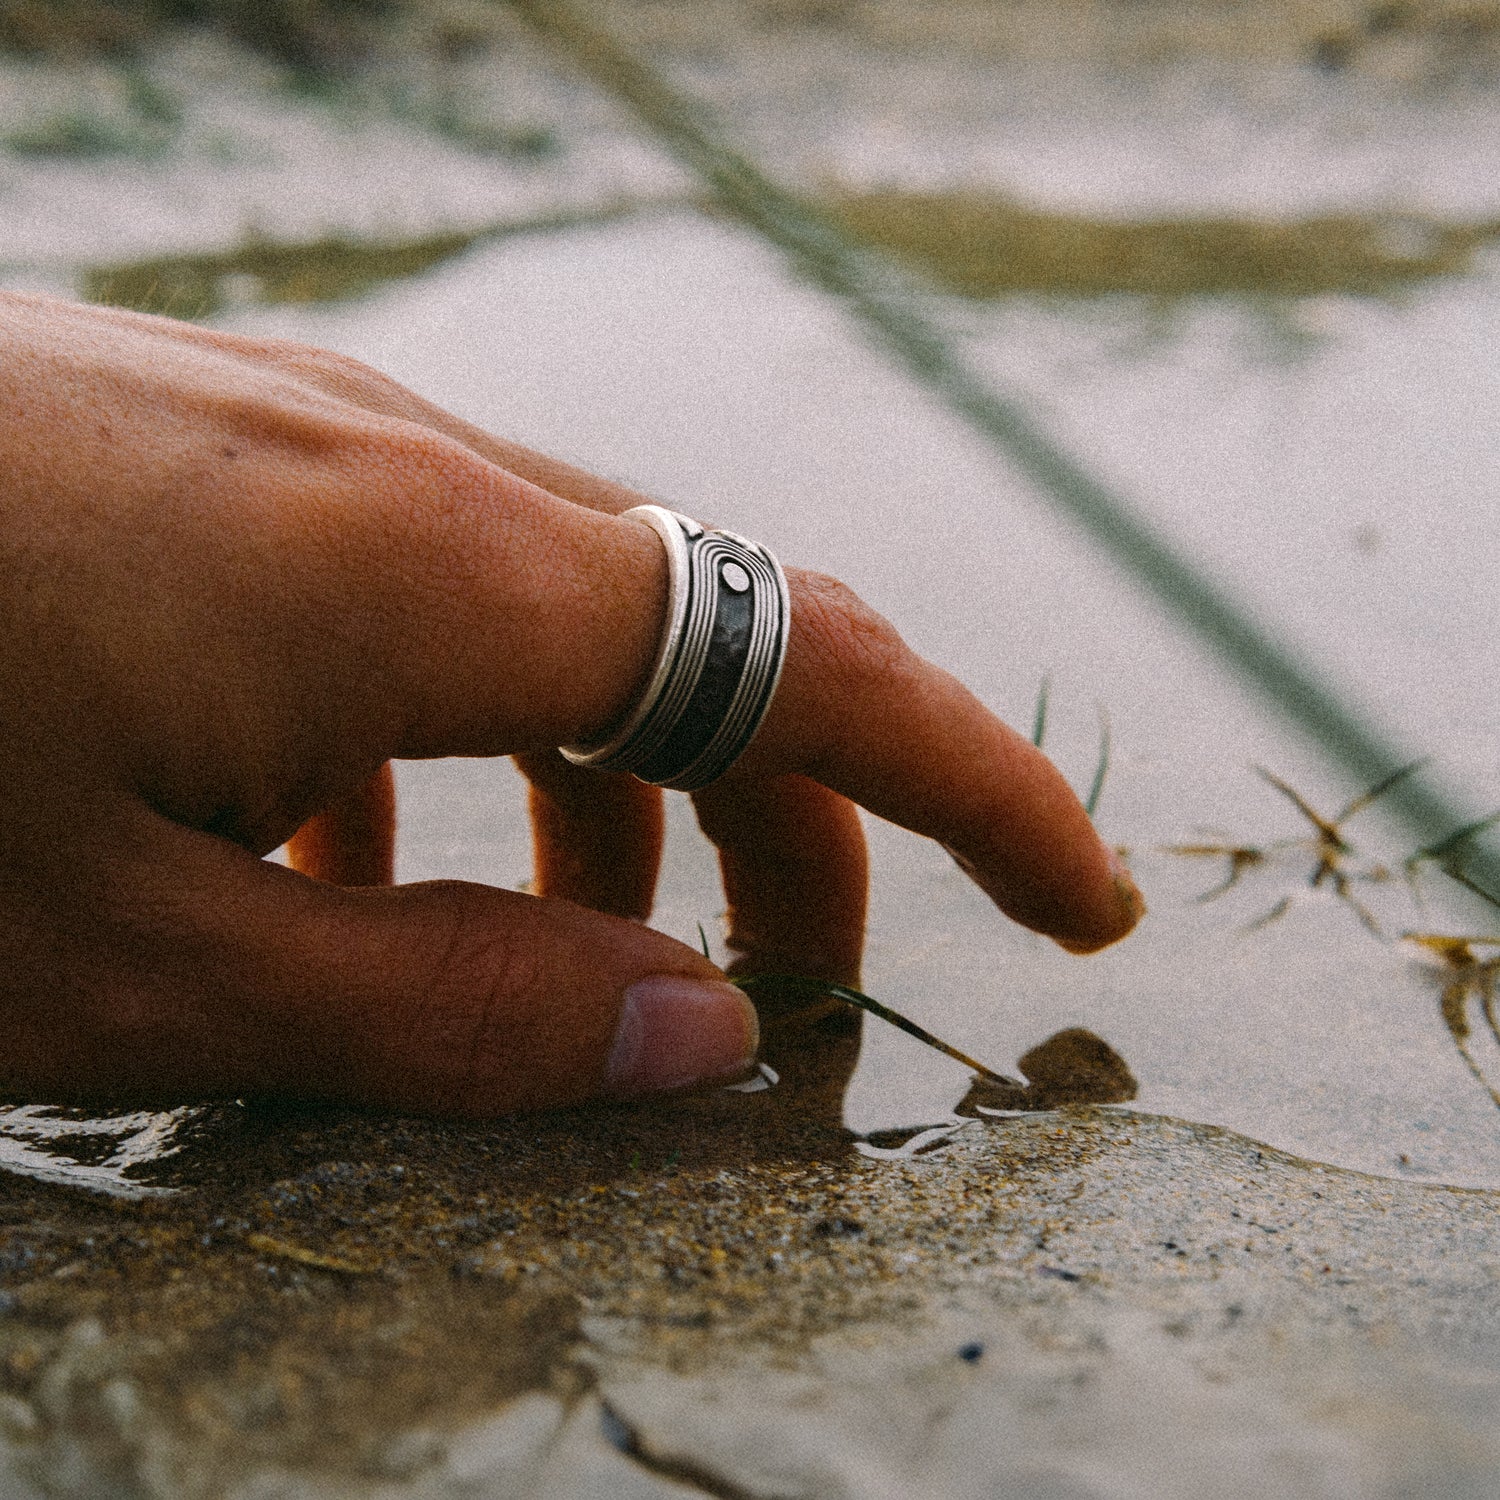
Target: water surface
(1332, 458)
(1333, 462)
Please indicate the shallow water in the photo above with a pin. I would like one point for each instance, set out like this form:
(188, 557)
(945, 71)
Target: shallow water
(1331, 458)
(1322, 475)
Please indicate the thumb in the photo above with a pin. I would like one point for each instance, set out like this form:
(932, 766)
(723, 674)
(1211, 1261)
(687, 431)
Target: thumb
(197, 968)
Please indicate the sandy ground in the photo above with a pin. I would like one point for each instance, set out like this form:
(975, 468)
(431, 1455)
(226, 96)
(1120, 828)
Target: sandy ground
(722, 1297)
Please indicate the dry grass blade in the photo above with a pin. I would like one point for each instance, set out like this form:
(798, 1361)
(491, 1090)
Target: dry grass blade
(1487, 1003)
(1239, 857)
(1328, 829)
(1469, 977)
(1331, 849)
(821, 989)
(1455, 1001)
(1275, 914)
(1455, 951)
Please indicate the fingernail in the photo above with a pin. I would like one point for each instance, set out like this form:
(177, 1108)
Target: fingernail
(674, 1031)
(1132, 907)
(1132, 903)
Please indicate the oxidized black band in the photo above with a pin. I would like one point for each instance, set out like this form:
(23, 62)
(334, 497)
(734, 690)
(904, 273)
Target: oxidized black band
(718, 664)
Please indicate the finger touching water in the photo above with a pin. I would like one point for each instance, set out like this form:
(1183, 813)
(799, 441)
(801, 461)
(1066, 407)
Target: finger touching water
(795, 871)
(244, 578)
(596, 836)
(181, 966)
(860, 712)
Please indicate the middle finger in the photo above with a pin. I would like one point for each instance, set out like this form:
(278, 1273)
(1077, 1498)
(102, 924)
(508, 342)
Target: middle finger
(795, 872)
(596, 835)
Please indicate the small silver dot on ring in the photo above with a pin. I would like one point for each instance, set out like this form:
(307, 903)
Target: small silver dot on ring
(735, 577)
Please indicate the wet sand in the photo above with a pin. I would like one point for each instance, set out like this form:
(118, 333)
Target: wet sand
(720, 1295)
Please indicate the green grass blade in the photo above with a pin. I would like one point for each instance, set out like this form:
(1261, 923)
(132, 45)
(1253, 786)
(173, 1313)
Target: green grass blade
(1449, 842)
(1470, 884)
(1101, 770)
(1039, 718)
(1380, 788)
(1324, 826)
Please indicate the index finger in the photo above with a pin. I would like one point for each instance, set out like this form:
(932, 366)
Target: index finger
(862, 713)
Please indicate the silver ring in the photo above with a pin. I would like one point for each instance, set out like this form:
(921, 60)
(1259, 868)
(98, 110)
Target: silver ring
(718, 663)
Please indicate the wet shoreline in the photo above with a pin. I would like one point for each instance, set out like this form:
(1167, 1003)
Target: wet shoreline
(368, 1291)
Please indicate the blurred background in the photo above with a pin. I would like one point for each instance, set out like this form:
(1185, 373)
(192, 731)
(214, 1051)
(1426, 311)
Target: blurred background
(1235, 258)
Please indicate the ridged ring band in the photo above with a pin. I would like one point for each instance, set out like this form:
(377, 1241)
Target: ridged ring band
(718, 663)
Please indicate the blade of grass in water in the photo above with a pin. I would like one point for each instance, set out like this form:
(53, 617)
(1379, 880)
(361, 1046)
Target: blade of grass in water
(1096, 791)
(1456, 873)
(1039, 721)
(820, 989)
(894, 308)
(1039, 734)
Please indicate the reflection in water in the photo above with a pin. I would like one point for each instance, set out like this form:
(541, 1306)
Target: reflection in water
(980, 244)
(985, 244)
(331, 269)
(1071, 1067)
(923, 1143)
(766, 1077)
(815, 1044)
(790, 1113)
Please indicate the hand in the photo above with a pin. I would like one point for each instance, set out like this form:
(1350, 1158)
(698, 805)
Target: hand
(242, 577)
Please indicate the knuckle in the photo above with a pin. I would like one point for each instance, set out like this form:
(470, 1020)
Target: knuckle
(281, 422)
(430, 460)
(850, 644)
(429, 500)
(327, 371)
(352, 384)
(325, 389)
(482, 978)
